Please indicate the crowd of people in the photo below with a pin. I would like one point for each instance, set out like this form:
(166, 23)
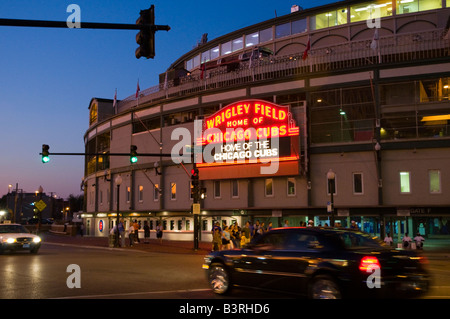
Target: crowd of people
(133, 233)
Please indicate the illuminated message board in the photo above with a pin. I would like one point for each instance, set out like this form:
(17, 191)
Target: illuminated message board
(249, 132)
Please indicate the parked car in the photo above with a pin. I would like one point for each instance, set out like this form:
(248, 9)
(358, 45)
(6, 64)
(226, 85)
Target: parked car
(320, 263)
(14, 237)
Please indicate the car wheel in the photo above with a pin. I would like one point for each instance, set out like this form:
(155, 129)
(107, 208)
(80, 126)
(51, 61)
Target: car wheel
(324, 287)
(219, 279)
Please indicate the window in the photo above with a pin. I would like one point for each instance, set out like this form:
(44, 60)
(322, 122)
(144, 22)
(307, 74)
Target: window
(409, 6)
(252, 39)
(358, 183)
(328, 19)
(235, 188)
(225, 48)
(282, 30)
(291, 186)
(265, 35)
(128, 194)
(173, 191)
(101, 198)
(156, 193)
(141, 194)
(435, 181)
(238, 44)
(299, 26)
(268, 187)
(216, 189)
(405, 183)
(215, 53)
(370, 10)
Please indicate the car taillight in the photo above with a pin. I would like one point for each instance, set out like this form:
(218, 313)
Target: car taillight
(368, 261)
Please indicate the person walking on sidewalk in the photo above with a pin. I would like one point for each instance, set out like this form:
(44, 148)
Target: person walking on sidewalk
(136, 231)
(122, 232)
(131, 235)
(159, 232)
(146, 232)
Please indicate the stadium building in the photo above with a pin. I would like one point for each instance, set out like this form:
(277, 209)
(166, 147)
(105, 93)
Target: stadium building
(336, 113)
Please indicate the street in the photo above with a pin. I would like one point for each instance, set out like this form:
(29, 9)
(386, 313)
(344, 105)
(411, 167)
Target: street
(57, 270)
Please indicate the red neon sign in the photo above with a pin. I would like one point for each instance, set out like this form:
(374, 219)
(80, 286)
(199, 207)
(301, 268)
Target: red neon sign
(250, 131)
(248, 120)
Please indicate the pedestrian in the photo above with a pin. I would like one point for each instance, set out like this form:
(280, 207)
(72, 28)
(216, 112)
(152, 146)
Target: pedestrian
(146, 232)
(81, 230)
(159, 232)
(388, 240)
(217, 239)
(136, 231)
(131, 234)
(122, 232)
(245, 234)
(286, 223)
(310, 223)
(419, 241)
(226, 238)
(269, 226)
(256, 230)
(406, 241)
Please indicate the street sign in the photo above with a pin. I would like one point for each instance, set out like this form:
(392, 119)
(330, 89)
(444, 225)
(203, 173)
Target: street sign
(40, 205)
(195, 209)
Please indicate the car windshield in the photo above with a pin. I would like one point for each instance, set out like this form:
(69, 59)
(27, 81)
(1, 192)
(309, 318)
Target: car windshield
(4, 229)
(352, 240)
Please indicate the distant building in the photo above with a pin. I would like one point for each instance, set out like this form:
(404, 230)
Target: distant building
(21, 206)
(357, 89)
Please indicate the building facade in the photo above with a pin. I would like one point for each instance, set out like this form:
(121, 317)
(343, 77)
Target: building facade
(365, 84)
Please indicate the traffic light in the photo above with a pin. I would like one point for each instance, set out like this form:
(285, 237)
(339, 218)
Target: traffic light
(146, 36)
(195, 184)
(133, 154)
(45, 153)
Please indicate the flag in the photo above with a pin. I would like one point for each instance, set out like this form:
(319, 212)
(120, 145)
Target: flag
(374, 43)
(308, 47)
(203, 68)
(138, 89)
(115, 99)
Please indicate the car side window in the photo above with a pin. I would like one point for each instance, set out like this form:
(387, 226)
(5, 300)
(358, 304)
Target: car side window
(303, 242)
(352, 240)
(272, 241)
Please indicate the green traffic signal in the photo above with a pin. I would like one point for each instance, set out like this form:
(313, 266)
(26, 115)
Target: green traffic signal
(133, 154)
(45, 153)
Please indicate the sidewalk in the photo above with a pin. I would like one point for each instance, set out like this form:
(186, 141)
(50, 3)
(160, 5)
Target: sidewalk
(175, 247)
(433, 248)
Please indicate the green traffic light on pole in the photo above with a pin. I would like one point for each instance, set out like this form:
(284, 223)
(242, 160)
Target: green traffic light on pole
(45, 153)
(133, 154)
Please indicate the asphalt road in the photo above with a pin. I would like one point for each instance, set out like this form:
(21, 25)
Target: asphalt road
(68, 272)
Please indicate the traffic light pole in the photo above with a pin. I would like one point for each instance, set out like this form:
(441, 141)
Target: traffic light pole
(83, 25)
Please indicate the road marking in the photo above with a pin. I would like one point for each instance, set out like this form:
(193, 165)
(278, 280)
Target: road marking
(135, 293)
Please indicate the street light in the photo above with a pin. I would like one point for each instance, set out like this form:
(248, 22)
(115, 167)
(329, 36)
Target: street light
(331, 176)
(118, 181)
(40, 191)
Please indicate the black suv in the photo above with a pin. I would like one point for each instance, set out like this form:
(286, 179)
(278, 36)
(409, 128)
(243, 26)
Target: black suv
(320, 263)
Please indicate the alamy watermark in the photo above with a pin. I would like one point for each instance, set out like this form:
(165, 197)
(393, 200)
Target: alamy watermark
(74, 19)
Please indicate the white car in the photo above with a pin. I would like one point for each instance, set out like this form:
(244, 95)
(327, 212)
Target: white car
(15, 237)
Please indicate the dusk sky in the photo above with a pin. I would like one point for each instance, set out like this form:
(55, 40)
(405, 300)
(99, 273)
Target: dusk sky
(48, 76)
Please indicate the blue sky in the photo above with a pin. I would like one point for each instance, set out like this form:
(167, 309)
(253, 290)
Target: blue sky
(48, 76)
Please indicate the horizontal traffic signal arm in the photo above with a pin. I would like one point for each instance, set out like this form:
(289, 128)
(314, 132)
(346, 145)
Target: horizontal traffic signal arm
(111, 154)
(83, 25)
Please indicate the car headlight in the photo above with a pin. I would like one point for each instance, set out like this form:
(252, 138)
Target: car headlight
(10, 240)
(36, 239)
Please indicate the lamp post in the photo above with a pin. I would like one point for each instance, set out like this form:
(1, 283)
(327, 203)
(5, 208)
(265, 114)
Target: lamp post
(118, 181)
(331, 176)
(40, 191)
